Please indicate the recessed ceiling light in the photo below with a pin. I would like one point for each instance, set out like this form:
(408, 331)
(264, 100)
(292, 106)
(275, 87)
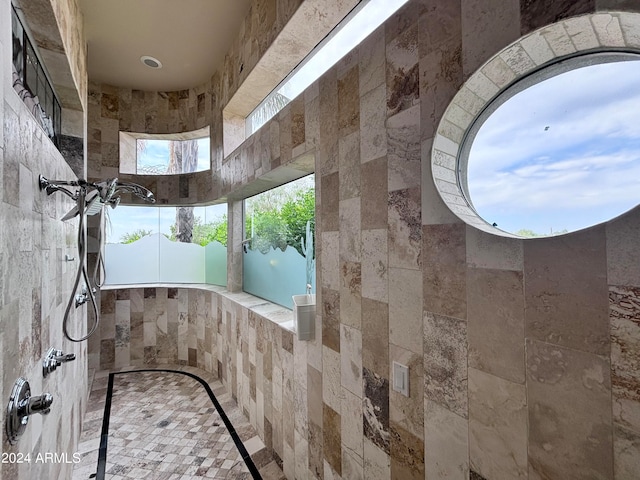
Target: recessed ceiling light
(151, 61)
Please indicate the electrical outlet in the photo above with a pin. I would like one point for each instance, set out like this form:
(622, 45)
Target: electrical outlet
(401, 378)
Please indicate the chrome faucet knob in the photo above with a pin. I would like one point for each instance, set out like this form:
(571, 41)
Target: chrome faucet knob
(53, 359)
(65, 357)
(21, 405)
(38, 404)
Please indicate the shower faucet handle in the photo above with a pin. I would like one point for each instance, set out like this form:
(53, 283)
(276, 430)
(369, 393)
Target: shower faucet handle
(38, 404)
(65, 357)
(21, 405)
(53, 359)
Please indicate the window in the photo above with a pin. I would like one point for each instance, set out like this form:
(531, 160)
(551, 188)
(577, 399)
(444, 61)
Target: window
(560, 154)
(279, 255)
(538, 142)
(31, 82)
(170, 154)
(167, 244)
(350, 32)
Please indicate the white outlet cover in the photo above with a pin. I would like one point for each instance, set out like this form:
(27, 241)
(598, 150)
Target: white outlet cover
(401, 378)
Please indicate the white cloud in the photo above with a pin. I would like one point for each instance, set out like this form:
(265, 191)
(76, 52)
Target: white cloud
(569, 146)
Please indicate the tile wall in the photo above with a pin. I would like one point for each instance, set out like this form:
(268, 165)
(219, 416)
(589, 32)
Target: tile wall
(35, 279)
(523, 355)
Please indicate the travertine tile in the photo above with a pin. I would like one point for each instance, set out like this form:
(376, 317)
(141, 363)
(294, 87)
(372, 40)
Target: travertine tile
(331, 387)
(350, 241)
(373, 133)
(371, 63)
(350, 294)
(348, 102)
(405, 231)
(535, 15)
(374, 266)
(405, 312)
(352, 426)
(330, 265)
(446, 443)
(487, 26)
(375, 337)
(402, 71)
(491, 251)
(331, 431)
(331, 319)
(352, 466)
(186, 437)
(403, 149)
(376, 461)
(351, 359)
(626, 453)
(569, 397)
(622, 269)
(566, 291)
(497, 426)
(496, 322)
(407, 454)
(349, 166)
(316, 454)
(445, 362)
(373, 204)
(444, 269)
(624, 313)
(375, 409)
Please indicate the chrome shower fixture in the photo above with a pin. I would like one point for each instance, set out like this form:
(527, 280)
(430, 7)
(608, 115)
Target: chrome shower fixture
(90, 198)
(53, 359)
(21, 405)
(96, 194)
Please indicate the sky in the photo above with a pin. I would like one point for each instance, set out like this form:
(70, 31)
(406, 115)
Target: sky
(127, 219)
(563, 154)
(156, 155)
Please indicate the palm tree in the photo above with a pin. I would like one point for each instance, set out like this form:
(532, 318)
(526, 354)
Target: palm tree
(183, 158)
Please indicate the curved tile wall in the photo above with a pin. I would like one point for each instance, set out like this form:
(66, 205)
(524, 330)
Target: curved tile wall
(482, 321)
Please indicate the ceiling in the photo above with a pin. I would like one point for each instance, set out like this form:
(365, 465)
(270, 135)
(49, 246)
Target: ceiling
(189, 37)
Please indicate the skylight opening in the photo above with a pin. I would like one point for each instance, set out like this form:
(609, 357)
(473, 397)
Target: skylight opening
(349, 33)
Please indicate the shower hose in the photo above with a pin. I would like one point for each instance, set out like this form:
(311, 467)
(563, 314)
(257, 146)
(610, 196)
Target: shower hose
(82, 272)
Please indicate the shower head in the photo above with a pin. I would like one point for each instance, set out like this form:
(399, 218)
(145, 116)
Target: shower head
(137, 190)
(94, 196)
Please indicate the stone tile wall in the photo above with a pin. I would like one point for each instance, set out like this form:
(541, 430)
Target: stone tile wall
(36, 282)
(155, 326)
(522, 353)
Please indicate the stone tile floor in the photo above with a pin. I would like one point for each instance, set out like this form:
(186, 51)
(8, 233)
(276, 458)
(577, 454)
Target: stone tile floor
(163, 425)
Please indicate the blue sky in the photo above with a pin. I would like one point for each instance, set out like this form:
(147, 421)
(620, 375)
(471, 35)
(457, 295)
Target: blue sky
(156, 154)
(562, 154)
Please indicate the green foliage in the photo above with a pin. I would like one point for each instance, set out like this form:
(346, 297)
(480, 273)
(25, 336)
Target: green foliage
(525, 232)
(135, 235)
(204, 233)
(275, 219)
(279, 222)
(210, 232)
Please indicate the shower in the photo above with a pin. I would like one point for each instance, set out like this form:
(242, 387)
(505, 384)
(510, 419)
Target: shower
(90, 198)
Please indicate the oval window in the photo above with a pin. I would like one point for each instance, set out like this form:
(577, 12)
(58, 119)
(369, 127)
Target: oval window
(559, 150)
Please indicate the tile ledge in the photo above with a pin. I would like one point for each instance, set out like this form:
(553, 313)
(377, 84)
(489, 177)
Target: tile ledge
(281, 316)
